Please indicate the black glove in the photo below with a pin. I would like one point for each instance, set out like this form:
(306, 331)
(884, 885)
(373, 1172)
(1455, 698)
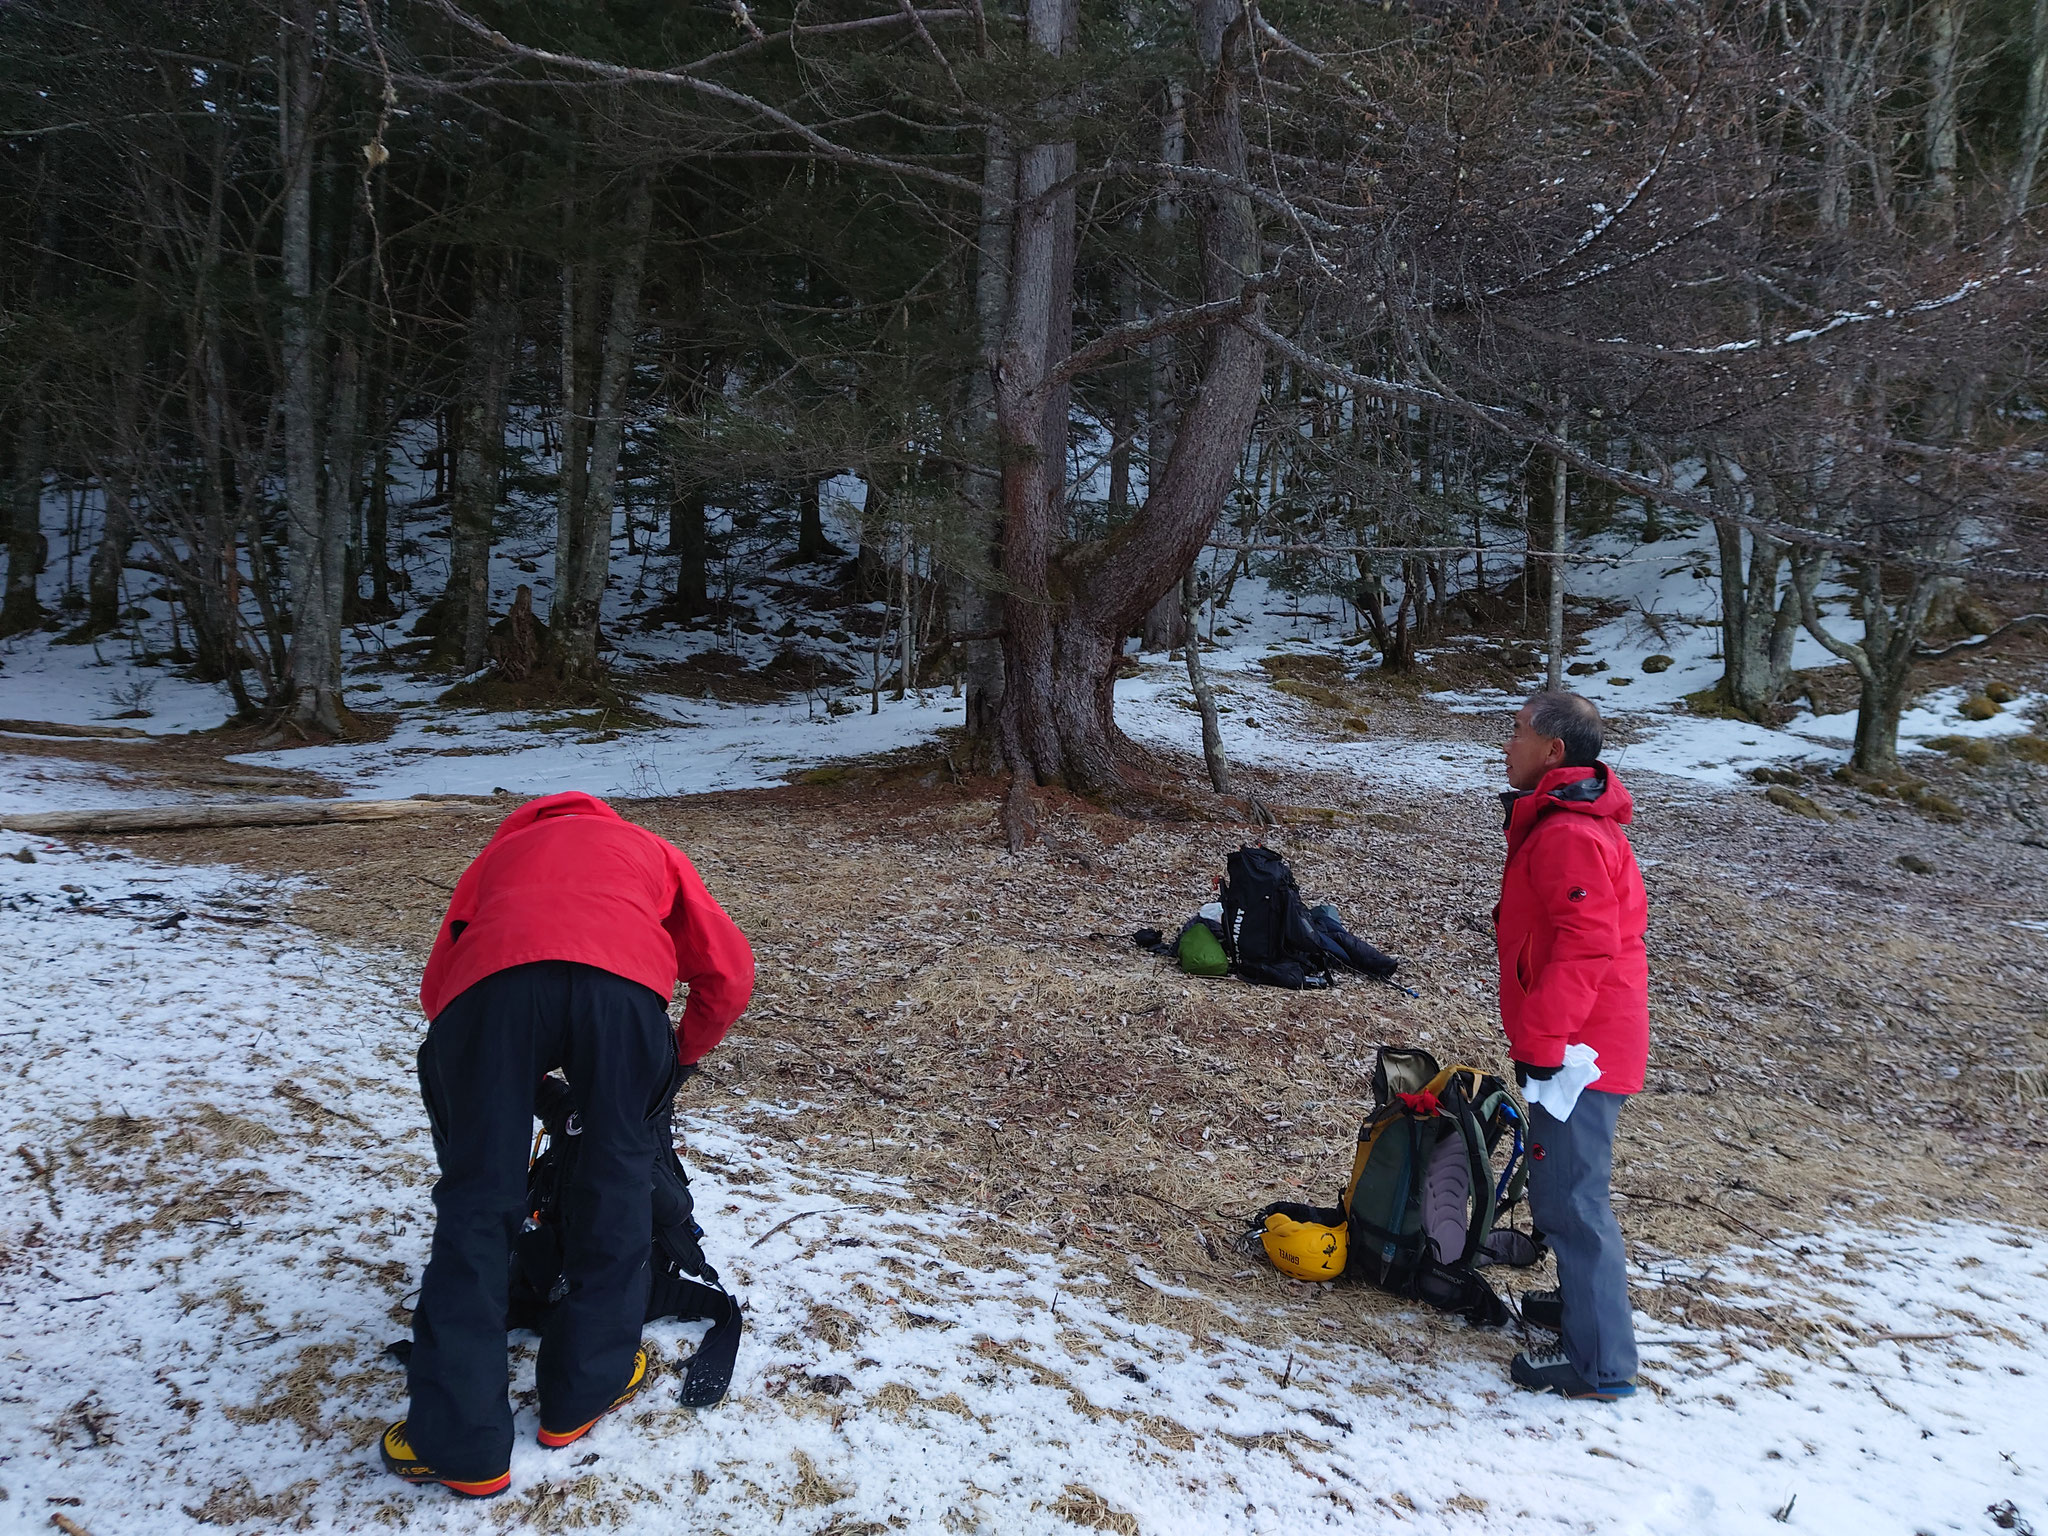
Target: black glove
(1523, 1072)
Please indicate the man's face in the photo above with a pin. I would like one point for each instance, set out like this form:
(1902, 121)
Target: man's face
(1531, 754)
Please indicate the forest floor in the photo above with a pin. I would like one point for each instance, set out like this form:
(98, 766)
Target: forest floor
(980, 1166)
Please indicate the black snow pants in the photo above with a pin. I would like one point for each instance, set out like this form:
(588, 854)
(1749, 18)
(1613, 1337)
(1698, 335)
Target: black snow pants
(479, 1067)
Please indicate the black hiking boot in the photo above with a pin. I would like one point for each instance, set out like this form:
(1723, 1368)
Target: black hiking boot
(1543, 1309)
(1549, 1371)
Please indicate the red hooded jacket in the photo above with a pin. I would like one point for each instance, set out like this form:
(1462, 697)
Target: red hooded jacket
(1570, 928)
(566, 877)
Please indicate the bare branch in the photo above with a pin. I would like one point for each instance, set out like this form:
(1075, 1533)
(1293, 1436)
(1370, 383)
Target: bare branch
(1976, 642)
(825, 147)
(1522, 429)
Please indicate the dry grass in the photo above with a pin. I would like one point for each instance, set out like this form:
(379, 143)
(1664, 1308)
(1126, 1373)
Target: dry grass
(1083, 1506)
(569, 1504)
(813, 1489)
(239, 1502)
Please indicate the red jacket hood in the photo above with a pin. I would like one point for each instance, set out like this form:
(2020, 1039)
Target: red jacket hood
(570, 802)
(1594, 791)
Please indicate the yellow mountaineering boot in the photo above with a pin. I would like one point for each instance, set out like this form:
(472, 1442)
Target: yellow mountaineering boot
(555, 1439)
(400, 1461)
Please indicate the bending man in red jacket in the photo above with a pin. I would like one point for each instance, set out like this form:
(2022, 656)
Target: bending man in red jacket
(1573, 973)
(561, 948)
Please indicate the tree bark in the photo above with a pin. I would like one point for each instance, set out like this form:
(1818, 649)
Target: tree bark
(114, 466)
(811, 543)
(464, 637)
(274, 813)
(2033, 125)
(314, 523)
(1213, 757)
(579, 603)
(975, 610)
(1068, 608)
(579, 320)
(1944, 71)
(1554, 673)
(27, 547)
(1885, 660)
(1757, 624)
(1166, 624)
(689, 538)
(377, 529)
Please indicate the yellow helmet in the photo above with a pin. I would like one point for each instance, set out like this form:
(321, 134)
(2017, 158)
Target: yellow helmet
(1314, 1249)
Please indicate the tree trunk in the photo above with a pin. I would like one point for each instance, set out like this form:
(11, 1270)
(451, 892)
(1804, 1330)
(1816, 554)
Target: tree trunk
(1757, 627)
(464, 637)
(2033, 125)
(811, 543)
(314, 664)
(1880, 700)
(117, 496)
(579, 341)
(975, 612)
(1069, 608)
(573, 626)
(377, 528)
(1205, 697)
(1166, 625)
(689, 538)
(1554, 673)
(210, 575)
(1884, 661)
(27, 547)
(1944, 71)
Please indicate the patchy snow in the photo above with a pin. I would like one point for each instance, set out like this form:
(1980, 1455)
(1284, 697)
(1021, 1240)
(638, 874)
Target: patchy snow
(710, 746)
(54, 784)
(1265, 727)
(219, 1207)
(97, 684)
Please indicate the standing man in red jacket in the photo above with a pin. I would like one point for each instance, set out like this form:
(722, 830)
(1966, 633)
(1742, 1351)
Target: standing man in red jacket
(1574, 979)
(562, 945)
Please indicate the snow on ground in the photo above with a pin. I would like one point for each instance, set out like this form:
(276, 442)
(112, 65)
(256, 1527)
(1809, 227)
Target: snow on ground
(710, 746)
(1265, 727)
(100, 684)
(1673, 612)
(219, 1206)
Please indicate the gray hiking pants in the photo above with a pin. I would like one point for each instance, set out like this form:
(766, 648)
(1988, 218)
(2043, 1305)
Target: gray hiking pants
(1570, 1162)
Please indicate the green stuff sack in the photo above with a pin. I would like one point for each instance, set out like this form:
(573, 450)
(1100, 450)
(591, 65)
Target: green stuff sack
(1201, 951)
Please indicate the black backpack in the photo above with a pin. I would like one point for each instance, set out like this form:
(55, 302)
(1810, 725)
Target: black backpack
(683, 1284)
(1266, 930)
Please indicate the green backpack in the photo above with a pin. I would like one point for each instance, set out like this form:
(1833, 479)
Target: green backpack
(1424, 1192)
(1201, 950)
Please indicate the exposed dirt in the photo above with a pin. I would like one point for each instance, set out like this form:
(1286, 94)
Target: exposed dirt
(1837, 1037)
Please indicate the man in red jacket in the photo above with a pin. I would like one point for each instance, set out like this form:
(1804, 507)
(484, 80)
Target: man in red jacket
(561, 947)
(1573, 973)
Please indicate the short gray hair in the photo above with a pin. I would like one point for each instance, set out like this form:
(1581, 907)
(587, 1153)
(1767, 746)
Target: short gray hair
(1571, 718)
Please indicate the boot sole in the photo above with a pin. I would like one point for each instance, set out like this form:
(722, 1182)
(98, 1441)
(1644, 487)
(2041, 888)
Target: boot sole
(1589, 1395)
(488, 1489)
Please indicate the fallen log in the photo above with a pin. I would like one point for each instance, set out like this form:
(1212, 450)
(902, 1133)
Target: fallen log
(73, 732)
(261, 813)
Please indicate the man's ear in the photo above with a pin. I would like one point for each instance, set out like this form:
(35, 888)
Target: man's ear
(1553, 755)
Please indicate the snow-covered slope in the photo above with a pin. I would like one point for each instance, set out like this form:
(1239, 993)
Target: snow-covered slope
(218, 1208)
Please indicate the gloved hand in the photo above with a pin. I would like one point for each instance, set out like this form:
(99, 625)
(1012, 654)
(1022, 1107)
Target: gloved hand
(1523, 1072)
